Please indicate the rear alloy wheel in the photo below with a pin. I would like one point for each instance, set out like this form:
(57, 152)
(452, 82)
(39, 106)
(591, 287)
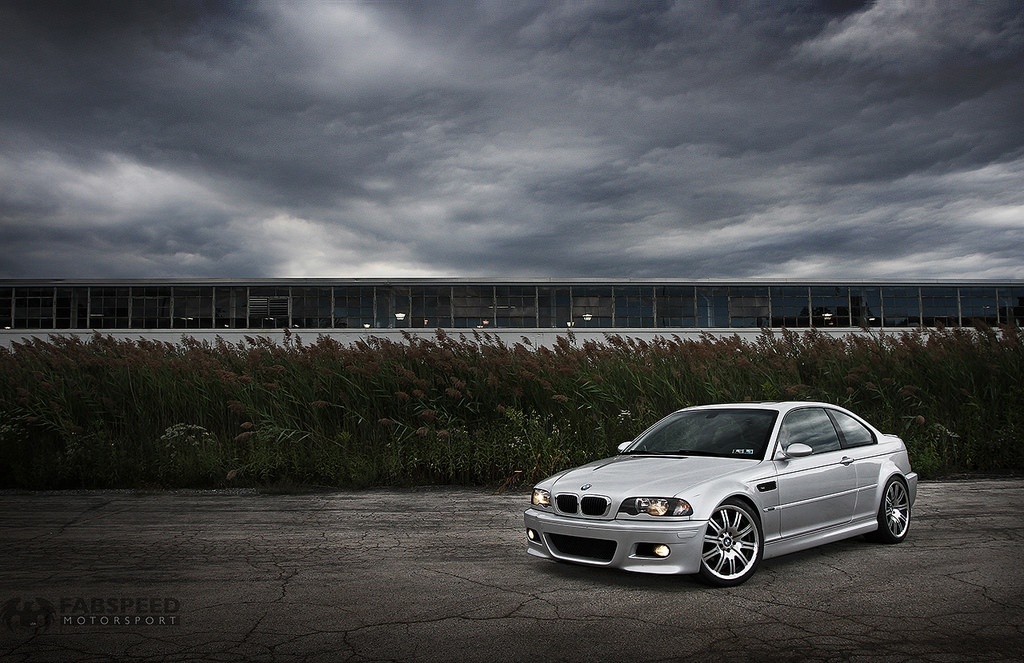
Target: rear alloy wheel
(733, 545)
(893, 513)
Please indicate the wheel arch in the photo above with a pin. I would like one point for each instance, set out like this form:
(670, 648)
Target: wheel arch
(888, 471)
(747, 500)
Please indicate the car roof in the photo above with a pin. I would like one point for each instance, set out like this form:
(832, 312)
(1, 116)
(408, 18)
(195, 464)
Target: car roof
(777, 406)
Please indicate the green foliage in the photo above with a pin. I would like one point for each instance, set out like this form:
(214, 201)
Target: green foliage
(468, 410)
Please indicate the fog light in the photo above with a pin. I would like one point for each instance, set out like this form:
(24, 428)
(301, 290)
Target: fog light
(661, 550)
(531, 535)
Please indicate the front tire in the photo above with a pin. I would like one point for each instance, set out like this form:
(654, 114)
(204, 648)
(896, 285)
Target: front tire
(893, 513)
(733, 545)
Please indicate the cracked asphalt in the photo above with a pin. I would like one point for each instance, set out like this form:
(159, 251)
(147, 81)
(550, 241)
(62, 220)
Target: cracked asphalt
(442, 575)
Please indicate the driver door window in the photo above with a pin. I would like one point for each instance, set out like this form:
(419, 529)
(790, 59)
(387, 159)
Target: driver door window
(810, 426)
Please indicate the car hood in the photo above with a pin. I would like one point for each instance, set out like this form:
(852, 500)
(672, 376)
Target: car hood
(652, 476)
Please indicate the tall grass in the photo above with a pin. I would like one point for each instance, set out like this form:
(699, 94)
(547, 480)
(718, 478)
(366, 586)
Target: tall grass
(468, 409)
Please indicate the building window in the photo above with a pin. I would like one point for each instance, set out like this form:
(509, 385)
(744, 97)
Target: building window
(830, 307)
(592, 306)
(108, 308)
(748, 307)
(394, 306)
(712, 307)
(901, 306)
(472, 306)
(311, 307)
(33, 308)
(865, 307)
(791, 306)
(554, 307)
(6, 308)
(70, 308)
(230, 307)
(353, 307)
(193, 307)
(515, 306)
(978, 306)
(634, 306)
(431, 307)
(676, 306)
(940, 307)
(151, 307)
(1011, 305)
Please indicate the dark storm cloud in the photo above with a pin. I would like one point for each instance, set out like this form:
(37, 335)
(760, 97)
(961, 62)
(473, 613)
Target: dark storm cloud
(607, 139)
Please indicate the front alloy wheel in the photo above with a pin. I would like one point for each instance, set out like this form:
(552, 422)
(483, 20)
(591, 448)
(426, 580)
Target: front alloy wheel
(732, 545)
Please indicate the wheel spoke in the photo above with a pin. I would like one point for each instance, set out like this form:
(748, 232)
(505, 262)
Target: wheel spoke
(736, 520)
(897, 497)
(896, 521)
(712, 562)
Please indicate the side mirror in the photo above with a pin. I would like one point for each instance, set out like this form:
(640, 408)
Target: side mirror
(798, 450)
(622, 447)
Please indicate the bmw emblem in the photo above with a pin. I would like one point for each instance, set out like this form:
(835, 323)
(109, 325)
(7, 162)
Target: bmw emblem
(585, 486)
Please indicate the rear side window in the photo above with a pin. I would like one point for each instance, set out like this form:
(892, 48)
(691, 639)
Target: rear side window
(854, 432)
(810, 426)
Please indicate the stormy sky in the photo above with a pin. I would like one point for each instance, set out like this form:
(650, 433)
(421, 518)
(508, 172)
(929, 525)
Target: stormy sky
(727, 140)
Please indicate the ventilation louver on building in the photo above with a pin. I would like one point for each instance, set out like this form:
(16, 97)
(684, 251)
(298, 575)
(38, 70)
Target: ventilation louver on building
(268, 307)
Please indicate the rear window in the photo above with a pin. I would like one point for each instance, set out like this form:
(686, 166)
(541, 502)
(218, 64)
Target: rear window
(854, 432)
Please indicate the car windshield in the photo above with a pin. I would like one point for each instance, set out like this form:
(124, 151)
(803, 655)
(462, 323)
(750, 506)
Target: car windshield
(739, 433)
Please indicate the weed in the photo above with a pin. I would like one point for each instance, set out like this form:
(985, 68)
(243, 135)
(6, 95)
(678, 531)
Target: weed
(469, 410)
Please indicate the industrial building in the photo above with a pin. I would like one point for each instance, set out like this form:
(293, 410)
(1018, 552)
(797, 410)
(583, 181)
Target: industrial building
(651, 305)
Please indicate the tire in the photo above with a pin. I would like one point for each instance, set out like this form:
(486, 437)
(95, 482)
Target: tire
(893, 513)
(733, 545)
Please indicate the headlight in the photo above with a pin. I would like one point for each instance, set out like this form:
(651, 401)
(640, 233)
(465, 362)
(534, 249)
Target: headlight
(656, 506)
(541, 497)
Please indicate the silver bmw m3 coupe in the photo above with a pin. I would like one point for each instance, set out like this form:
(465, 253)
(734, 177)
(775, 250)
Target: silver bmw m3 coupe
(713, 490)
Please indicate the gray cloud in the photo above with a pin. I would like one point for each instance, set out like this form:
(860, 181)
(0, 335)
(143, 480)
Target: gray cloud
(788, 140)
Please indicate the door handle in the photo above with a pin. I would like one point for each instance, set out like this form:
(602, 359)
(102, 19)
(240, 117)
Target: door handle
(846, 461)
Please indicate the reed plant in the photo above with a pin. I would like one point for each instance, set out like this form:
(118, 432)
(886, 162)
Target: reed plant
(469, 409)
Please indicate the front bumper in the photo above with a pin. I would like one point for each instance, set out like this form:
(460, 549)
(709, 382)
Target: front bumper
(616, 543)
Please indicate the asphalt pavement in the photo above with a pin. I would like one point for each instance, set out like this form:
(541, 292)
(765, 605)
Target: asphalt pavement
(442, 575)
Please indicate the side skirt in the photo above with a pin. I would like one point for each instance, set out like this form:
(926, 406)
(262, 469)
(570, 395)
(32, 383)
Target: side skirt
(780, 547)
